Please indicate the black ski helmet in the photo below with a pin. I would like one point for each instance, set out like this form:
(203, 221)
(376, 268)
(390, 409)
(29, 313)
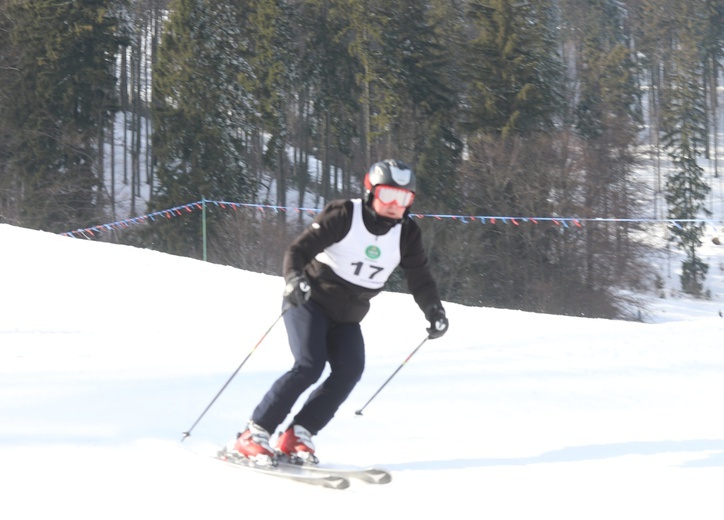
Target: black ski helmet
(389, 172)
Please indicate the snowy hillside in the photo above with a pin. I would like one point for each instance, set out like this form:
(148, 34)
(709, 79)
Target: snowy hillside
(108, 353)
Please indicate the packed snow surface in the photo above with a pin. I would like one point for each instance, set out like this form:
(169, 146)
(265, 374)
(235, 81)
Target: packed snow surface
(108, 353)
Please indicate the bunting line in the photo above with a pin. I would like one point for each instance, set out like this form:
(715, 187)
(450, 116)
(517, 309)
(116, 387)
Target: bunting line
(178, 211)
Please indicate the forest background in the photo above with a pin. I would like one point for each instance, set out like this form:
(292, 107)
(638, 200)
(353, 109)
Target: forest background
(530, 110)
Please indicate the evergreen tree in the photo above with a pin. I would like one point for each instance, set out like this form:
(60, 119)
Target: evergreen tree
(365, 22)
(418, 100)
(441, 154)
(712, 58)
(513, 71)
(199, 111)
(684, 139)
(412, 100)
(266, 78)
(654, 35)
(512, 101)
(58, 96)
(607, 117)
(328, 74)
(9, 176)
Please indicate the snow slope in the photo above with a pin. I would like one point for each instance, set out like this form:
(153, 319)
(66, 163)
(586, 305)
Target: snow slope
(108, 353)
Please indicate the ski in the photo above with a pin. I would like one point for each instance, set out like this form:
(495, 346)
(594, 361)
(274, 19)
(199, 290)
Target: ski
(369, 475)
(289, 472)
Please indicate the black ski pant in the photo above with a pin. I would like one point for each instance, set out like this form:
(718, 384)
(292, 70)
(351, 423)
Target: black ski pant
(315, 340)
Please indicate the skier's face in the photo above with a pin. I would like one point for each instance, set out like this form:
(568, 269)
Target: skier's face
(391, 201)
(393, 195)
(392, 211)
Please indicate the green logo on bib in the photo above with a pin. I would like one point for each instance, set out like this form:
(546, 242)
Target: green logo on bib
(373, 252)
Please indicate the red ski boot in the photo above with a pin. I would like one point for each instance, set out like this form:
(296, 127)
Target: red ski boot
(254, 445)
(296, 444)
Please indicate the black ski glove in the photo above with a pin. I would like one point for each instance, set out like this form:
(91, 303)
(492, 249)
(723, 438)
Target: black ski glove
(297, 290)
(435, 314)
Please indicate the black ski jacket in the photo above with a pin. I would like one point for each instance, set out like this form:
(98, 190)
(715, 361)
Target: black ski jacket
(343, 301)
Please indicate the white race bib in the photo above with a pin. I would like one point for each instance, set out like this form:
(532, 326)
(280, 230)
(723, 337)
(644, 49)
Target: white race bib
(361, 257)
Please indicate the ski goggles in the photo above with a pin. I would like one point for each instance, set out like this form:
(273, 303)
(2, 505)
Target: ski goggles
(391, 195)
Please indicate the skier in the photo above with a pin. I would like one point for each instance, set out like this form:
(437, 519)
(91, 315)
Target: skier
(332, 270)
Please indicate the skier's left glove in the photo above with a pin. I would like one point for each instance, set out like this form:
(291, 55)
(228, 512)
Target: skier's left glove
(435, 314)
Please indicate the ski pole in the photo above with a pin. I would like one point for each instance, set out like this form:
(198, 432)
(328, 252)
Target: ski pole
(359, 412)
(188, 432)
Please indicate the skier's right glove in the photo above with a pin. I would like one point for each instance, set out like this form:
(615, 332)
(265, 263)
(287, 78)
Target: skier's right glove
(297, 290)
(435, 314)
